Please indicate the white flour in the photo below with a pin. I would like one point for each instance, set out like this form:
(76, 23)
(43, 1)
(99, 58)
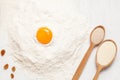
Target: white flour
(106, 53)
(57, 60)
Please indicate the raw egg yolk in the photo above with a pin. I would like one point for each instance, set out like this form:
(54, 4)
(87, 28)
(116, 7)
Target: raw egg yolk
(44, 35)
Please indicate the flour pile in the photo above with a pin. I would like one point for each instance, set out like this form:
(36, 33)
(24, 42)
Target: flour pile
(54, 61)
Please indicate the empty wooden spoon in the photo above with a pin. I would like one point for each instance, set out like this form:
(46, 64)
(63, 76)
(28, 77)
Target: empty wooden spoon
(105, 55)
(96, 37)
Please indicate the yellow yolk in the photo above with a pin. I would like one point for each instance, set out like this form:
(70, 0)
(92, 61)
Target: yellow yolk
(44, 35)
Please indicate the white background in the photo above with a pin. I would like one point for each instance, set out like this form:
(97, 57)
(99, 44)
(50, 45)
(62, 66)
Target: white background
(106, 13)
(98, 12)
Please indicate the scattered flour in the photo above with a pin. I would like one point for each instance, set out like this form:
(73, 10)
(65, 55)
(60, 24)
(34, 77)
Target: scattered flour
(56, 60)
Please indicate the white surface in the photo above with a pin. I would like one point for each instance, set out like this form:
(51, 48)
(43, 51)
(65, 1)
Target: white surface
(98, 12)
(106, 13)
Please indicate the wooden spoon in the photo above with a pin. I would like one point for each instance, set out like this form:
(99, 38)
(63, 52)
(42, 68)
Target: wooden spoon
(96, 37)
(105, 55)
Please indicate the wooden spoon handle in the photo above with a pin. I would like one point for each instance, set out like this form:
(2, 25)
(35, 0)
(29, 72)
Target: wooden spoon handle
(83, 63)
(97, 73)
